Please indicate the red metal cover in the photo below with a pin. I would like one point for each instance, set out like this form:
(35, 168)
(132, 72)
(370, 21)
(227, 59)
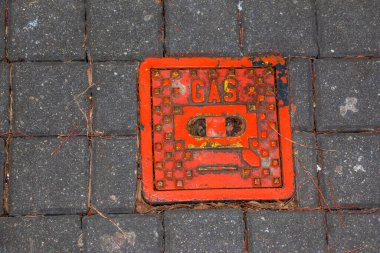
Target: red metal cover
(215, 129)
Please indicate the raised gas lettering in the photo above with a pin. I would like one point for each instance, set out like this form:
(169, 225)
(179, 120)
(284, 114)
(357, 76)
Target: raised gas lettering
(197, 91)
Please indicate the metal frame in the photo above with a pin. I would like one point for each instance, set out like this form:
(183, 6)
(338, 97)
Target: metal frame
(154, 196)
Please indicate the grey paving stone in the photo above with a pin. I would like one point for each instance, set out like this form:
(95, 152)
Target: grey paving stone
(124, 30)
(4, 96)
(114, 174)
(141, 233)
(286, 231)
(115, 98)
(208, 27)
(301, 94)
(305, 165)
(46, 183)
(352, 172)
(348, 28)
(44, 98)
(348, 94)
(1, 175)
(218, 230)
(2, 29)
(40, 234)
(45, 31)
(286, 27)
(360, 232)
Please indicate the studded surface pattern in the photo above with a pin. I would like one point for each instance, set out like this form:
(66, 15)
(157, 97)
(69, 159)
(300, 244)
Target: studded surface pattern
(185, 158)
(214, 126)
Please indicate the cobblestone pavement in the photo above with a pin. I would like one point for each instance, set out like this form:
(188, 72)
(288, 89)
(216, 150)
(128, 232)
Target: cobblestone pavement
(69, 124)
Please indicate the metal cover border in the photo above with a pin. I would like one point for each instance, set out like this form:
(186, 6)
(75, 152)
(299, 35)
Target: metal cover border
(160, 197)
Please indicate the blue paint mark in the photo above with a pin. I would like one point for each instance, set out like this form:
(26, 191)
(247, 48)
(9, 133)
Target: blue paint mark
(281, 69)
(282, 92)
(258, 63)
(282, 88)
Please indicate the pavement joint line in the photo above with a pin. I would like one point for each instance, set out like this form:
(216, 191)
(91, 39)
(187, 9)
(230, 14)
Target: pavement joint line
(138, 188)
(139, 61)
(89, 116)
(45, 61)
(8, 141)
(163, 28)
(320, 167)
(104, 216)
(241, 27)
(348, 132)
(101, 136)
(84, 45)
(162, 219)
(332, 192)
(345, 210)
(301, 144)
(246, 242)
(321, 199)
(313, 79)
(81, 236)
(32, 215)
(316, 28)
(6, 31)
(5, 177)
(325, 226)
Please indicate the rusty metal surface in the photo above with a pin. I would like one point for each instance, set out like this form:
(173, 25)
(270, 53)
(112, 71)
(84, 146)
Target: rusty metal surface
(214, 129)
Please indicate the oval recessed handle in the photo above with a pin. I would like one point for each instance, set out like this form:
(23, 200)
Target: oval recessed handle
(216, 126)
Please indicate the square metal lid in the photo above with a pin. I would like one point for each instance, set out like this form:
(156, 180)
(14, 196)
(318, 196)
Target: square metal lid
(215, 129)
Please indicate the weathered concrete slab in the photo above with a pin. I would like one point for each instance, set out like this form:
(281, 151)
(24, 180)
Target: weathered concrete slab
(208, 27)
(139, 233)
(115, 98)
(114, 174)
(301, 94)
(350, 175)
(347, 94)
(285, 27)
(43, 31)
(305, 165)
(124, 30)
(40, 234)
(360, 231)
(286, 231)
(46, 183)
(348, 28)
(218, 230)
(45, 98)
